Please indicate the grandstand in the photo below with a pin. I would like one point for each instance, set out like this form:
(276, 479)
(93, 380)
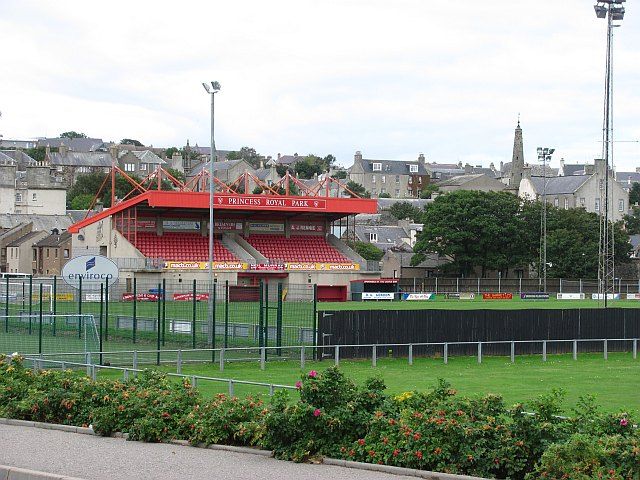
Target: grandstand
(257, 237)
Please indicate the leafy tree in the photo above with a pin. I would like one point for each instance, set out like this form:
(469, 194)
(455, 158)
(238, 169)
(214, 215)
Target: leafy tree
(340, 174)
(474, 229)
(429, 190)
(38, 153)
(177, 174)
(72, 134)
(402, 210)
(90, 183)
(81, 201)
(258, 190)
(634, 194)
(309, 166)
(329, 160)
(282, 170)
(357, 189)
(632, 222)
(169, 152)
(248, 154)
(368, 251)
(384, 195)
(130, 141)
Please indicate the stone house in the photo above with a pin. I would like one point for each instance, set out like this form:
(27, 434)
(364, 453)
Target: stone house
(400, 179)
(20, 253)
(51, 253)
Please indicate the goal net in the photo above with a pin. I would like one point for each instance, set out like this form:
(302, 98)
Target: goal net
(35, 334)
(16, 296)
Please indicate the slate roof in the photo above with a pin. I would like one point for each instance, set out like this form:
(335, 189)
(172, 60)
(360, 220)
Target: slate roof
(80, 159)
(217, 166)
(74, 144)
(626, 178)
(40, 222)
(559, 185)
(459, 180)
(24, 238)
(6, 159)
(574, 169)
(634, 240)
(54, 240)
(385, 203)
(18, 143)
(393, 167)
(388, 236)
(145, 156)
(18, 156)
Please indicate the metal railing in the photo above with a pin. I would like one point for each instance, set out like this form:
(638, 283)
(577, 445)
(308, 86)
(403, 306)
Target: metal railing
(336, 353)
(93, 369)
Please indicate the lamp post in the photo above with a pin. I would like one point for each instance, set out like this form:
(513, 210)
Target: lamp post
(612, 10)
(211, 90)
(544, 155)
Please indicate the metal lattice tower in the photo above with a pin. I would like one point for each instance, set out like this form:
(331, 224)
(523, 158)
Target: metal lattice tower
(612, 10)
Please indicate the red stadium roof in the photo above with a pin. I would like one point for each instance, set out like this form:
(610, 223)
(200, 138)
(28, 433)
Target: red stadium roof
(235, 202)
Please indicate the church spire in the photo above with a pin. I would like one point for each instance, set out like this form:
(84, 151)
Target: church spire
(517, 159)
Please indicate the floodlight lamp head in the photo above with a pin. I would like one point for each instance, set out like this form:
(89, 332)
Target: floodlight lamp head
(551, 150)
(206, 87)
(601, 11)
(539, 150)
(215, 86)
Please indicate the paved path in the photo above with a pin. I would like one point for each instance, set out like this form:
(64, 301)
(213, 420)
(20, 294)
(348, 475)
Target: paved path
(98, 458)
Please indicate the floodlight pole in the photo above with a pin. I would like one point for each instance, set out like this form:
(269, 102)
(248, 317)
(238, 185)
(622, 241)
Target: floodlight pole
(544, 155)
(211, 90)
(612, 10)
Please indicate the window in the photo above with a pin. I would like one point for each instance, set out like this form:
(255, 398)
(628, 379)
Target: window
(143, 166)
(66, 253)
(129, 167)
(582, 202)
(413, 168)
(373, 237)
(47, 253)
(35, 255)
(621, 205)
(56, 253)
(34, 197)
(373, 179)
(397, 178)
(556, 202)
(384, 179)
(397, 192)
(84, 169)
(597, 209)
(18, 197)
(376, 167)
(566, 204)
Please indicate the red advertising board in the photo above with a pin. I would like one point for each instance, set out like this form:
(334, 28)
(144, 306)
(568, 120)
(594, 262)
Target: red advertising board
(188, 297)
(497, 296)
(141, 297)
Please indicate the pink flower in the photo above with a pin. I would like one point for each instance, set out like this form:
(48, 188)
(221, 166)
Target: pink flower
(624, 422)
(317, 412)
(313, 374)
(298, 384)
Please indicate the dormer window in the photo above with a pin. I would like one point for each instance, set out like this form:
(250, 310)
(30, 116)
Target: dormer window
(376, 167)
(373, 237)
(413, 168)
(387, 168)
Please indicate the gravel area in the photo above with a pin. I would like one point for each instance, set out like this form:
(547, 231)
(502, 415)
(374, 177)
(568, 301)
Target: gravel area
(90, 458)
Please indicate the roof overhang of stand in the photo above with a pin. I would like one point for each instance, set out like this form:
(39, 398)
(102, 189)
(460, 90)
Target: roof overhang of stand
(250, 204)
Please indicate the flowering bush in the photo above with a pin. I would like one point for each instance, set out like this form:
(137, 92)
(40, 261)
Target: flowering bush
(227, 420)
(435, 430)
(331, 409)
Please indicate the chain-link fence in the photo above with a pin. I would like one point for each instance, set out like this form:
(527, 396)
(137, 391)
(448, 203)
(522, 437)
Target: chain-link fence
(139, 314)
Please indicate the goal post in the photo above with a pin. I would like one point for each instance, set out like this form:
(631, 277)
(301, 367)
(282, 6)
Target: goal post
(34, 334)
(15, 295)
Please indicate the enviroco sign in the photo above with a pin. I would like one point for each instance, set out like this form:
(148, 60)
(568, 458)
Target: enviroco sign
(92, 270)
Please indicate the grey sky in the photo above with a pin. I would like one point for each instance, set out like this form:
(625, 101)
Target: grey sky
(389, 78)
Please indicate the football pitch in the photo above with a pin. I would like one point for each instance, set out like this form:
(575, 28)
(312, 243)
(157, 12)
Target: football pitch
(613, 382)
